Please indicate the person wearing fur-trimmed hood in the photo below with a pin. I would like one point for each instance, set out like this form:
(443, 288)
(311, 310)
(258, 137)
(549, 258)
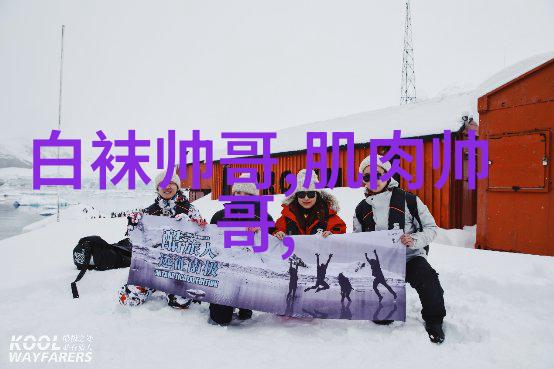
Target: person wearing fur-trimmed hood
(309, 211)
(170, 202)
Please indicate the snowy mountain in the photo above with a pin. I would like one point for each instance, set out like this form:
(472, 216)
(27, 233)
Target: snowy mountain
(16, 160)
(16, 153)
(16, 163)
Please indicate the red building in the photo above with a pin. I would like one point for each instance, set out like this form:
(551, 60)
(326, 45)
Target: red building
(453, 205)
(516, 203)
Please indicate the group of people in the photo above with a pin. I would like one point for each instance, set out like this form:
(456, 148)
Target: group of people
(311, 211)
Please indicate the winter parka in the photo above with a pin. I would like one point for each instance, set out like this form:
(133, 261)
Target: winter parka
(326, 218)
(179, 205)
(380, 204)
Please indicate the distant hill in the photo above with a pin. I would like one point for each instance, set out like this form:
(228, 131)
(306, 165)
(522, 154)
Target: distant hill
(16, 153)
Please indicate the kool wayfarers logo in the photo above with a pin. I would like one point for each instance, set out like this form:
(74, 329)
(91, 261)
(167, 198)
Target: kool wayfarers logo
(50, 349)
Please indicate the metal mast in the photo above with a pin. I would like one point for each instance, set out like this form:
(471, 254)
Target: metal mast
(60, 115)
(408, 87)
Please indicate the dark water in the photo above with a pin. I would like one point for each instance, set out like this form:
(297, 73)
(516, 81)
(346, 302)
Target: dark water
(12, 220)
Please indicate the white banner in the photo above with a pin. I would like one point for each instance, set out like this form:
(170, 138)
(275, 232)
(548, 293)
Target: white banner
(348, 276)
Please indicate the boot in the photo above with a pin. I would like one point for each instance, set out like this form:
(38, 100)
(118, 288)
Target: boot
(244, 314)
(178, 302)
(131, 295)
(436, 334)
(220, 314)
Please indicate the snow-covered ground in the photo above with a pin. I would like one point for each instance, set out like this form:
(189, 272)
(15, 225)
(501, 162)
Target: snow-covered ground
(498, 304)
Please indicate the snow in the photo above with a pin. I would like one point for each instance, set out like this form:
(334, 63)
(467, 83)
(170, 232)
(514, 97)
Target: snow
(16, 159)
(513, 71)
(16, 152)
(457, 237)
(16, 174)
(506, 75)
(498, 305)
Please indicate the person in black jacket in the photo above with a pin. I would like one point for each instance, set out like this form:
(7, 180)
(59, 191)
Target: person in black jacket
(221, 314)
(345, 287)
(378, 277)
(320, 283)
(293, 281)
(171, 203)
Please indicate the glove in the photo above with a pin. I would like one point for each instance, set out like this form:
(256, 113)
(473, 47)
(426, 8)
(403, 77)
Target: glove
(201, 222)
(181, 216)
(132, 221)
(134, 218)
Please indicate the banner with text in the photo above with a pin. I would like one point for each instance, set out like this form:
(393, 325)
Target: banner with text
(348, 276)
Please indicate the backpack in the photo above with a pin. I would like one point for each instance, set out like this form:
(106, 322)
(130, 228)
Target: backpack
(398, 199)
(93, 252)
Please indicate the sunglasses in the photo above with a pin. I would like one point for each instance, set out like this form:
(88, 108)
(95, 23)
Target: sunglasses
(302, 194)
(367, 177)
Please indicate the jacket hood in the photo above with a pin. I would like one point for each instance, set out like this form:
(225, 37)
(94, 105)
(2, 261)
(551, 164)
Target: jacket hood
(393, 183)
(328, 197)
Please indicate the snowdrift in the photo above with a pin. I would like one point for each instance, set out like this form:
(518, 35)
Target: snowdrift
(498, 313)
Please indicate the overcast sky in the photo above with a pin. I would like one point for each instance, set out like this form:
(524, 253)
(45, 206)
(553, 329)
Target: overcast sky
(246, 64)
